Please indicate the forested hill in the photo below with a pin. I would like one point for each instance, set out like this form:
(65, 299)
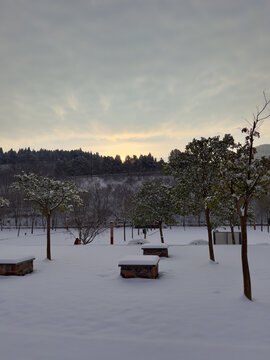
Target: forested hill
(263, 150)
(61, 163)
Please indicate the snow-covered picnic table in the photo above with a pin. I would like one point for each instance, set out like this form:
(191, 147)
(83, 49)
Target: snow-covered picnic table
(139, 266)
(19, 266)
(160, 250)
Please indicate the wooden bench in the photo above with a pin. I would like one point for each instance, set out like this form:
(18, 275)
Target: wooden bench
(17, 267)
(160, 250)
(139, 266)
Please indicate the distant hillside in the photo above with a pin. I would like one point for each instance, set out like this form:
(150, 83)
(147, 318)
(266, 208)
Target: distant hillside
(263, 150)
(62, 163)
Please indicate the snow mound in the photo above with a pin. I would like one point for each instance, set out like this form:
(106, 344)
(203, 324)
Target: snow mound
(198, 242)
(139, 260)
(155, 246)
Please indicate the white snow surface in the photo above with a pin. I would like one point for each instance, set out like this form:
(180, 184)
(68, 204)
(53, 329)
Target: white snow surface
(16, 261)
(78, 306)
(139, 260)
(155, 246)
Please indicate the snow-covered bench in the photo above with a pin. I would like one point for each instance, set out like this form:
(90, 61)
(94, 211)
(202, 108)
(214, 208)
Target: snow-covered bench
(139, 266)
(19, 267)
(160, 250)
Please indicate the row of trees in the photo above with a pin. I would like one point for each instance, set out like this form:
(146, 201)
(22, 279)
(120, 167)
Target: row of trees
(217, 176)
(59, 163)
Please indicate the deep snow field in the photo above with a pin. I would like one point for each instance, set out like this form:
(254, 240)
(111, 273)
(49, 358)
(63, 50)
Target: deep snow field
(78, 307)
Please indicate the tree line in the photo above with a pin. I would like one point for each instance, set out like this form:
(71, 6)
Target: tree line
(61, 163)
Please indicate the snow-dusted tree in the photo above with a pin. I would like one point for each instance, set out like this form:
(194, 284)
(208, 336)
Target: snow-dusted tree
(153, 205)
(262, 209)
(224, 214)
(47, 195)
(92, 218)
(245, 177)
(3, 202)
(196, 172)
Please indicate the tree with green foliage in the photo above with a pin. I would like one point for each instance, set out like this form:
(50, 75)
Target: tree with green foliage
(47, 195)
(196, 174)
(153, 205)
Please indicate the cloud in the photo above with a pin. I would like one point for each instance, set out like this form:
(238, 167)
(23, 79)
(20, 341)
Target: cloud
(106, 102)
(130, 73)
(72, 102)
(59, 111)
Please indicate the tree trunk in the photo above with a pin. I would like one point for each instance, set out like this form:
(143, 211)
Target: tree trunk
(161, 232)
(144, 233)
(244, 254)
(124, 231)
(48, 237)
(210, 239)
(233, 234)
(32, 225)
(19, 229)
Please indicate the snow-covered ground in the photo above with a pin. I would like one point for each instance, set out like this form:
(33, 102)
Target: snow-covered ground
(78, 307)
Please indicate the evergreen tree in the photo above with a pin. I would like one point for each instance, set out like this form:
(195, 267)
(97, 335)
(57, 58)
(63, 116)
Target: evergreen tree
(196, 173)
(153, 205)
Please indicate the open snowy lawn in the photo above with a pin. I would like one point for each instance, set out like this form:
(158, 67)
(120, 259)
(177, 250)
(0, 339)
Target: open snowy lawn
(78, 307)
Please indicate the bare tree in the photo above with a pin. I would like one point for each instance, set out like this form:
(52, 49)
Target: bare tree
(122, 205)
(91, 219)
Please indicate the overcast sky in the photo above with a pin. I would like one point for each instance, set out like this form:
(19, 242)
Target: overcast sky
(130, 76)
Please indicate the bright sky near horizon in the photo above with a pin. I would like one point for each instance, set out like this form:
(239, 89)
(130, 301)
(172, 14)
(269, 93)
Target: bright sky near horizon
(130, 76)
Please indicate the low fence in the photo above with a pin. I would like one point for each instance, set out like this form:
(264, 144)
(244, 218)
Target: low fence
(225, 238)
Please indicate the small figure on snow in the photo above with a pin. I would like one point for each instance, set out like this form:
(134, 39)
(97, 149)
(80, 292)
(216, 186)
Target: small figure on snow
(77, 241)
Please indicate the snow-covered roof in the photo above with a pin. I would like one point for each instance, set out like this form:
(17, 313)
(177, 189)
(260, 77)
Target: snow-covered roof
(155, 246)
(16, 261)
(139, 260)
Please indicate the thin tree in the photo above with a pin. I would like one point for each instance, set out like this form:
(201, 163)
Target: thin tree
(122, 205)
(246, 177)
(47, 195)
